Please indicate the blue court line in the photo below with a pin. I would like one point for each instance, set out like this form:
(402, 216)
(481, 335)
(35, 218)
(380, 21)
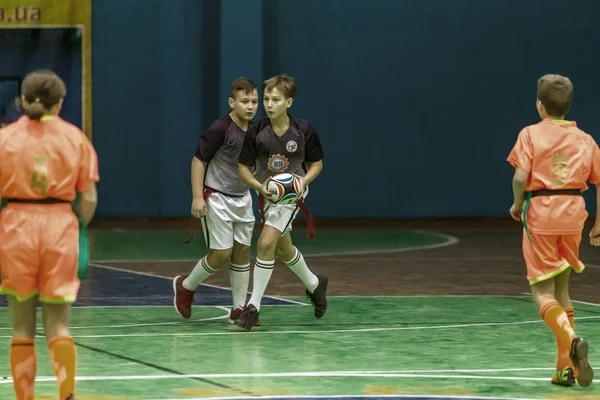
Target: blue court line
(109, 286)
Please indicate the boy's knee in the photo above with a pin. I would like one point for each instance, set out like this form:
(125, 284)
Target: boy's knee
(285, 252)
(266, 244)
(240, 254)
(217, 258)
(540, 298)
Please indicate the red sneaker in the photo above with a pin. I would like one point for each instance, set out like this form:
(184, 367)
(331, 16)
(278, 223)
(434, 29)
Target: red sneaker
(182, 298)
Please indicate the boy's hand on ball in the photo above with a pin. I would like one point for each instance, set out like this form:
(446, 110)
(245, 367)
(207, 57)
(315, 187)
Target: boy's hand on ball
(265, 192)
(302, 185)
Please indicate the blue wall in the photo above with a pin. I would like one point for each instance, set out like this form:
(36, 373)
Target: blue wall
(417, 103)
(25, 50)
(148, 102)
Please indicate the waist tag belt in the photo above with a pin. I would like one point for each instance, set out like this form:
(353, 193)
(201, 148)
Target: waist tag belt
(544, 192)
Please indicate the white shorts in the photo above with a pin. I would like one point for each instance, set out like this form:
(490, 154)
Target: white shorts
(281, 217)
(228, 219)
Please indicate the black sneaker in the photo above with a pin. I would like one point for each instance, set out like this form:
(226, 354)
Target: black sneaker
(248, 319)
(319, 297)
(579, 356)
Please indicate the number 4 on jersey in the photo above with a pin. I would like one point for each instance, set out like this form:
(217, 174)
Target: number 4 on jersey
(39, 181)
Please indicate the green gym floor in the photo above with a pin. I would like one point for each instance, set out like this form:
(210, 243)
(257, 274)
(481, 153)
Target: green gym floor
(413, 314)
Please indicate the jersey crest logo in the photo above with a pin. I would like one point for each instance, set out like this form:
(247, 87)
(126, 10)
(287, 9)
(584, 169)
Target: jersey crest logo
(277, 163)
(291, 146)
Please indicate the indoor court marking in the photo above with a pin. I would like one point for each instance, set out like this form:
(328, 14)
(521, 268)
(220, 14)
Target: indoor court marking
(132, 344)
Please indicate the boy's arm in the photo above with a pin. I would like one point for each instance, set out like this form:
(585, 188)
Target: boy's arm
(88, 203)
(246, 161)
(594, 179)
(595, 232)
(518, 184)
(313, 157)
(197, 173)
(521, 158)
(86, 185)
(209, 143)
(246, 175)
(597, 223)
(248, 178)
(313, 170)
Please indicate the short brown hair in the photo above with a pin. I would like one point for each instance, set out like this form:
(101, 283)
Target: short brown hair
(556, 94)
(42, 89)
(242, 84)
(285, 84)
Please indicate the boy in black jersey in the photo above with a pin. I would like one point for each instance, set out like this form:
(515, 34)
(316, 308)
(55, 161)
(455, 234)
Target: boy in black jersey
(280, 143)
(223, 202)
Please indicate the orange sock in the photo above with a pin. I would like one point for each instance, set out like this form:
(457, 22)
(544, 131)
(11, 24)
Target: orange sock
(571, 315)
(23, 366)
(556, 318)
(63, 357)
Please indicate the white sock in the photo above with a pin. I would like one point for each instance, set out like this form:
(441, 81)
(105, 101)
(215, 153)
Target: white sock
(199, 274)
(239, 275)
(262, 275)
(299, 267)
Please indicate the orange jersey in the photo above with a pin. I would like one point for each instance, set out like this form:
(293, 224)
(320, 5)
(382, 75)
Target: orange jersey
(48, 158)
(557, 155)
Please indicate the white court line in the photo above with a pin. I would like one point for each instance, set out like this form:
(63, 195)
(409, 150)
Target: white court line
(149, 260)
(359, 396)
(152, 323)
(573, 301)
(162, 306)
(337, 331)
(429, 371)
(449, 241)
(170, 278)
(302, 374)
(499, 296)
(373, 254)
(586, 303)
(361, 374)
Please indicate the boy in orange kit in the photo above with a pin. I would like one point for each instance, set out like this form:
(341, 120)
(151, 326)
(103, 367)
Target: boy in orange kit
(44, 163)
(553, 159)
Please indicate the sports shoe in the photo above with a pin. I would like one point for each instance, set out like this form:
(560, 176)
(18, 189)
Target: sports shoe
(182, 298)
(564, 377)
(579, 356)
(248, 319)
(319, 297)
(236, 313)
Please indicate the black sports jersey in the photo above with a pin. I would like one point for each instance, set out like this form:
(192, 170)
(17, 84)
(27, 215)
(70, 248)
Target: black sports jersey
(271, 154)
(220, 147)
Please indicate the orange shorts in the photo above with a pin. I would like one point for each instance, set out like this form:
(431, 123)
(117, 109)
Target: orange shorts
(549, 255)
(39, 250)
